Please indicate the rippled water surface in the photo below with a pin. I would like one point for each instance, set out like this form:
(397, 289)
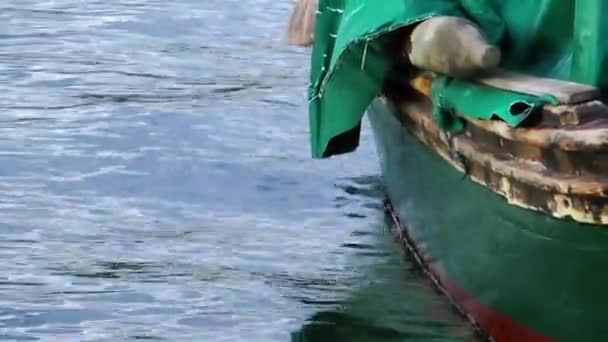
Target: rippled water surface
(156, 184)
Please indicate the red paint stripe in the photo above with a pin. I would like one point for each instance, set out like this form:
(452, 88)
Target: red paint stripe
(498, 326)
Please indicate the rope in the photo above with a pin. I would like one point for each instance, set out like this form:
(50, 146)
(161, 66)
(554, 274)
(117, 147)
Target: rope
(364, 57)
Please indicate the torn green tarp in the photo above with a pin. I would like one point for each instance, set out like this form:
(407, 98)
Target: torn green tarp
(451, 96)
(564, 39)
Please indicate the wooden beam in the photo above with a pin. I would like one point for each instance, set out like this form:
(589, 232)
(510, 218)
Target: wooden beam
(565, 92)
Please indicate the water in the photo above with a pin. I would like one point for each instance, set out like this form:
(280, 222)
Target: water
(156, 184)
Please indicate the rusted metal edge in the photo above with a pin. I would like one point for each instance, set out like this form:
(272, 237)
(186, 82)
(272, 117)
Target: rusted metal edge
(411, 250)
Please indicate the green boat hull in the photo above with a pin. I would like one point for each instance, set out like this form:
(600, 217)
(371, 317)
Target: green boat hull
(519, 274)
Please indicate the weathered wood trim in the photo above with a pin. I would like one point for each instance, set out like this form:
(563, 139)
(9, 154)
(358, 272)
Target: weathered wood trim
(577, 139)
(533, 173)
(588, 124)
(555, 163)
(522, 183)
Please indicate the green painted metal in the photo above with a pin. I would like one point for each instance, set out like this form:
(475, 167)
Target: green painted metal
(545, 273)
(564, 39)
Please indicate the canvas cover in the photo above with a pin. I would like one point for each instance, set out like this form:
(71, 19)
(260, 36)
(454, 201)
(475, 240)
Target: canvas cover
(563, 39)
